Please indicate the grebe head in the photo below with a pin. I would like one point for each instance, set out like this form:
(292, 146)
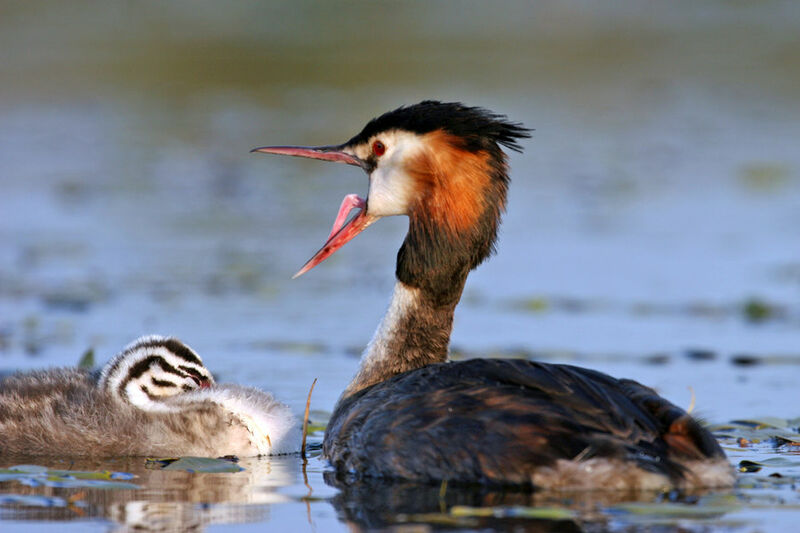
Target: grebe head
(151, 369)
(439, 163)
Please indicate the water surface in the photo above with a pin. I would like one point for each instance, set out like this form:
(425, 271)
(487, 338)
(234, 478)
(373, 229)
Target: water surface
(652, 230)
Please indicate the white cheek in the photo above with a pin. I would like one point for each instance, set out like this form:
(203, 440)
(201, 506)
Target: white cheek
(389, 192)
(391, 189)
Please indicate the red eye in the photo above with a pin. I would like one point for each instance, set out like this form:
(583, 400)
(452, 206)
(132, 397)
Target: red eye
(378, 148)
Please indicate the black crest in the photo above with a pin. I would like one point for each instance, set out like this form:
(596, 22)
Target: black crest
(479, 128)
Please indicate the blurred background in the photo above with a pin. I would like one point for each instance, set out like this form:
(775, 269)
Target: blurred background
(653, 229)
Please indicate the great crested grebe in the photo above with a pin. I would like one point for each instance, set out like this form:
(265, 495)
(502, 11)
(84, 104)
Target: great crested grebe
(411, 414)
(153, 398)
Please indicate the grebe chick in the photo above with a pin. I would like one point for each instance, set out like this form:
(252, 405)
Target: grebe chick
(411, 414)
(154, 398)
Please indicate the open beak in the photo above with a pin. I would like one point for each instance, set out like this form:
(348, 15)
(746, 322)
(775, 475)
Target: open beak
(341, 232)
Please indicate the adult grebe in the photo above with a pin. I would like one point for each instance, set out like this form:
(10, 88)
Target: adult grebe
(409, 413)
(154, 398)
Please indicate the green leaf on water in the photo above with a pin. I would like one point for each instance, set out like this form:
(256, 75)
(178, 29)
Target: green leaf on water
(87, 360)
(778, 461)
(32, 500)
(203, 464)
(28, 469)
(155, 463)
(542, 513)
(763, 422)
(535, 305)
(756, 310)
(706, 507)
(749, 466)
(463, 510)
(790, 439)
(40, 475)
(764, 175)
(438, 519)
(314, 427)
(106, 475)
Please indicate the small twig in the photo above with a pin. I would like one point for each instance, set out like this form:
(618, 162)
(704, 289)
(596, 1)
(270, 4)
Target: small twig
(305, 421)
(691, 402)
(78, 496)
(582, 455)
(442, 494)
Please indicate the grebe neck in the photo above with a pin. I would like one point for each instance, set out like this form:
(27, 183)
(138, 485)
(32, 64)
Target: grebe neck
(414, 332)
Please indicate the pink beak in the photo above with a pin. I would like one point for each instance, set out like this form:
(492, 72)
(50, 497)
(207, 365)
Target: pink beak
(341, 232)
(325, 153)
